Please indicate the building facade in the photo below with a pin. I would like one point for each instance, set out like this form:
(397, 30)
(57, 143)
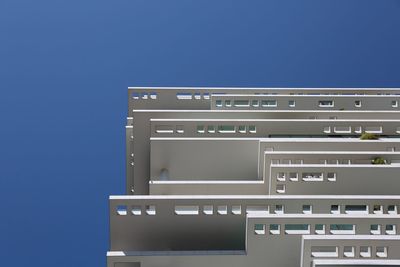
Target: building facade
(274, 177)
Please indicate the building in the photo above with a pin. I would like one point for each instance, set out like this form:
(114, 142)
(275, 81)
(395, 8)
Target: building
(249, 177)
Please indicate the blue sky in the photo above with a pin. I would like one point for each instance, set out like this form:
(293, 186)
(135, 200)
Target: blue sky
(64, 71)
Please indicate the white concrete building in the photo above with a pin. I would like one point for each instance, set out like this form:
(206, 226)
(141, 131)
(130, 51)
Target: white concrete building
(243, 177)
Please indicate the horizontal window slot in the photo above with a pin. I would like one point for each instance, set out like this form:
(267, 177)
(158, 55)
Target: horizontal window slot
(297, 229)
(325, 252)
(187, 210)
(312, 176)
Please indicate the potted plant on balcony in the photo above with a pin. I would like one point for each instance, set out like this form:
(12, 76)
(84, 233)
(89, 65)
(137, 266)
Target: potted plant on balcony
(379, 161)
(369, 136)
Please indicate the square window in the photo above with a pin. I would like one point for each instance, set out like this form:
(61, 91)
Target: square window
(236, 210)
(307, 209)
(335, 209)
(381, 252)
(151, 210)
(365, 252)
(390, 229)
(293, 176)
(208, 209)
(222, 210)
(357, 103)
(281, 176)
(122, 210)
(349, 252)
(197, 96)
(320, 229)
(218, 103)
(153, 95)
(136, 210)
(331, 176)
(395, 103)
(200, 128)
(255, 103)
(179, 129)
(280, 188)
(392, 209)
(211, 129)
(242, 129)
(274, 229)
(292, 103)
(259, 229)
(252, 129)
(378, 209)
(375, 229)
(228, 103)
(279, 209)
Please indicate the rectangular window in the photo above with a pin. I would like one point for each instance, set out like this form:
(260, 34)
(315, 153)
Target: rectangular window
(257, 209)
(292, 103)
(342, 129)
(206, 96)
(343, 229)
(197, 96)
(184, 96)
(395, 103)
(268, 103)
(228, 103)
(326, 103)
(187, 210)
(373, 129)
(241, 103)
(325, 252)
(254, 103)
(297, 229)
(356, 209)
(226, 129)
(218, 103)
(312, 176)
(259, 229)
(164, 129)
(381, 252)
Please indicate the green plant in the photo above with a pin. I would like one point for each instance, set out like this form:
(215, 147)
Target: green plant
(369, 136)
(379, 161)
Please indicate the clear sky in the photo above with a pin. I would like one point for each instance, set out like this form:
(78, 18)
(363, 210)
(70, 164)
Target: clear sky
(64, 71)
